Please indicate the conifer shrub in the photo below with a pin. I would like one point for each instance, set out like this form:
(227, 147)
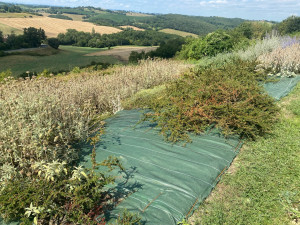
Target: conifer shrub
(229, 98)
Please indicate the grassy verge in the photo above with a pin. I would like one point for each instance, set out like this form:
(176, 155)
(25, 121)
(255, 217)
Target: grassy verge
(66, 59)
(262, 185)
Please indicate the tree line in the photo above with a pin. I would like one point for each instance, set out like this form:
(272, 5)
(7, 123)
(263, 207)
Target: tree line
(126, 37)
(10, 8)
(30, 38)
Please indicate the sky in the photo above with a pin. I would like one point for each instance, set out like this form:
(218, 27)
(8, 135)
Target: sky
(273, 10)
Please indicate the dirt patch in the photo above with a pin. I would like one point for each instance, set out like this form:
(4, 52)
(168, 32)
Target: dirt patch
(122, 53)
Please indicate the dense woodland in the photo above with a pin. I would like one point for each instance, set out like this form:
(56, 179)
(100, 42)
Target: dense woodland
(126, 37)
(10, 8)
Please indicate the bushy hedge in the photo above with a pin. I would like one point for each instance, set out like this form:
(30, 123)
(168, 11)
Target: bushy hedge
(59, 16)
(210, 45)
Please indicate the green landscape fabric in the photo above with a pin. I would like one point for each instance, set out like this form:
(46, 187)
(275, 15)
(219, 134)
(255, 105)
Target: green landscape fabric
(281, 88)
(166, 182)
(167, 179)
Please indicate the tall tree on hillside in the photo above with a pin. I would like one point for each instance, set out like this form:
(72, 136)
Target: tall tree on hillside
(33, 37)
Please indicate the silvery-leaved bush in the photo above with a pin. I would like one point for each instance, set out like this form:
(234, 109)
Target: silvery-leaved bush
(40, 118)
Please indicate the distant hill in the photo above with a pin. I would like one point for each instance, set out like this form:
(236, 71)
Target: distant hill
(198, 25)
(193, 24)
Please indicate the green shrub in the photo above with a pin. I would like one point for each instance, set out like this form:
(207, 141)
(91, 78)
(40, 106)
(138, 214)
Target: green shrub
(59, 16)
(54, 192)
(228, 97)
(128, 218)
(210, 45)
(4, 75)
(289, 25)
(53, 42)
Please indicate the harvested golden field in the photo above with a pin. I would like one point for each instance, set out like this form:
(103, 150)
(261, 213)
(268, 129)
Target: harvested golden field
(75, 17)
(122, 53)
(178, 32)
(54, 26)
(137, 14)
(16, 15)
(132, 27)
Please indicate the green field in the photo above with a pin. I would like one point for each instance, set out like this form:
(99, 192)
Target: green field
(8, 29)
(66, 58)
(262, 185)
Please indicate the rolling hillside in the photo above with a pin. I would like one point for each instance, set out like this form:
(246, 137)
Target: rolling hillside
(198, 25)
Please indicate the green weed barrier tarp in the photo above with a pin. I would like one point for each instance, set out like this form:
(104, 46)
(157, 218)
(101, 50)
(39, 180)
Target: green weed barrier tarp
(165, 182)
(168, 180)
(281, 88)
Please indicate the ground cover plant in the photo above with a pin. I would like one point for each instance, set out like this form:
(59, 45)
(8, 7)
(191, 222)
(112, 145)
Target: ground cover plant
(41, 118)
(262, 185)
(229, 98)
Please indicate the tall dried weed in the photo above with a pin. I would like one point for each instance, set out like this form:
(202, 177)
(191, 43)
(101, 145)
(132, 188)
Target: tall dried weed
(283, 61)
(40, 118)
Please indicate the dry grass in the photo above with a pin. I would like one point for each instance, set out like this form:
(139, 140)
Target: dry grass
(122, 53)
(75, 17)
(42, 117)
(137, 14)
(178, 32)
(53, 26)
(132, 27)
(16, 15)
